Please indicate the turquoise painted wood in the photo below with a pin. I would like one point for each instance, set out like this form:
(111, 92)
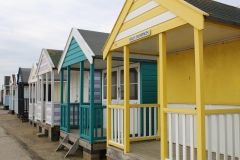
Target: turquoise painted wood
(148, 89)
(68, 97)
(63, 107)
(92, 102)
(74, 54)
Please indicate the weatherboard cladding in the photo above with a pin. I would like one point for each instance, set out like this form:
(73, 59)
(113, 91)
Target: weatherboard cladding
(95, 40)
(148, 89)
(74, 54)
(218, 12)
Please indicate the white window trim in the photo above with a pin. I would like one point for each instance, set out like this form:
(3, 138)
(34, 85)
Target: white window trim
(118, 100)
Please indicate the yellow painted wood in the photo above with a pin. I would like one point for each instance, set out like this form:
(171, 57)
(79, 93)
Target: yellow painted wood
(201, 137)
(116, 144)
(138, 4)
(116, 106)
(222, 111)
(171, 24)
(178, 110)
(178, 6)
(109, 96)
(144, 138)
(163, 93)
(144, 105)
(126, 101)
(143, 17)
(117, 27)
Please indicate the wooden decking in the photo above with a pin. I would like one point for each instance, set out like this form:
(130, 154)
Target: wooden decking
(150, 150)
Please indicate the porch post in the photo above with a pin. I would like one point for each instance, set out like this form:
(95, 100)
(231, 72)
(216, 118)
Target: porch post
(42, 98)
(200, 104)
(162, 71)
(46, 92)
(81, 96)
(52, 97)
(35, 90)
(61, 96)
(109, 96)
(68, 98)
(32, 93)
(92, 117)
(38, 89)
(126, 101)
(29, 94)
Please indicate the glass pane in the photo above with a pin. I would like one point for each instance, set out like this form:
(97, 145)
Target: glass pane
(114, 78)
(105, 92)
(122, 92)
(105, 79)
(114, 92)
(122, 77)
(133, 92)
(133, 75)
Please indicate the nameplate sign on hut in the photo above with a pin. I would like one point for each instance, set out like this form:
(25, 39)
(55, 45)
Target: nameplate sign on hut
(140, 35)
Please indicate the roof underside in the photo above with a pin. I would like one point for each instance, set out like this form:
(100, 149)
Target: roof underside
(95, 40)
(218, 12)
(25, 72)
(6, 80)
(55, 56)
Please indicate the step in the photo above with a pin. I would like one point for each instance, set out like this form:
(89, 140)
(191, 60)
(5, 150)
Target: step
(40, 134)
(68, 145)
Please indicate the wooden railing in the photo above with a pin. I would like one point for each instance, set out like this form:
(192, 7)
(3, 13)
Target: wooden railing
(222, 133)
(143, 123)
(97, 130)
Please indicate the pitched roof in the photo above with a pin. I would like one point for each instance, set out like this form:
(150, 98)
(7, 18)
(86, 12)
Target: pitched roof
(95, 40)
(218, 11)
(6, 80)
(55, 55)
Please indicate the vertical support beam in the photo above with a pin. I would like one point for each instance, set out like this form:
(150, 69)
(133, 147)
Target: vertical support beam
(162, 71)
(38, 92)
(32, 94)
(42, 98)
(52, 97)
(109, 96)
(68, 98)
(201, 137)
(29, 93)
(61, 97)
(81, 96)
(92, 117)
(126, 101)
(46, 92)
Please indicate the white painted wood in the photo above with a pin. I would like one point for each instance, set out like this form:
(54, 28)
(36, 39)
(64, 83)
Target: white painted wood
(139, 128)
(233, 138)
(141, 10)
(209, 136)
(170, 135)
(226, 139)
(145, 119)
(119, 121)
(122, 128)
(150, 121)
(184, 136)
(145, 25)
(191, 137)
(46, 94)
(115, 124)
(52, 96)
(133, 122)
(155, 121)
(177, 134)
(218, 138)
(42, 103)
(239, 136)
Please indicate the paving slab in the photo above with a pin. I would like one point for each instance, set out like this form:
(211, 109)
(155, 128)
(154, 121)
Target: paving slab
(10, 149)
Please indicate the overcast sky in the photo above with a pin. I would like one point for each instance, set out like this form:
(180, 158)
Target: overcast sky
(27, 26)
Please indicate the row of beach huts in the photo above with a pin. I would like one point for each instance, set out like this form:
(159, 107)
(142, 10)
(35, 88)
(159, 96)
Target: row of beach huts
(164, 84)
